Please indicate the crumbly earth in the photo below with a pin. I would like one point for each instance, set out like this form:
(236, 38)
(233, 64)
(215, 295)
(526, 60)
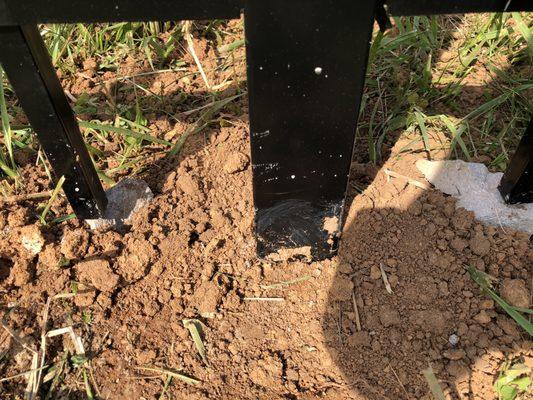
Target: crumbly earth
(272, 330)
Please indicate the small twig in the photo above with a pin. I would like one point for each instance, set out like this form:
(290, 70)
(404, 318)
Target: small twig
(42, 350)
(263, 299)
(286, 283)
(31, 387)
(190, 43)
(385, 279)
(23, 197)
(78, 344)
(185, 378)
(9, 378)
(410, 181)
(339, 322)
(399, 381)
(356, 311)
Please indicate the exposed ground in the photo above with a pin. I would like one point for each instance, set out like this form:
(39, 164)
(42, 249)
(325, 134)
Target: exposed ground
(271, 330)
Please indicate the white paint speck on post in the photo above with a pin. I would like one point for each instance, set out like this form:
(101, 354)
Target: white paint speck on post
(318, 70)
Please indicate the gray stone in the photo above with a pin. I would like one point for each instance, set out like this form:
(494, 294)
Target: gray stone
(124, 200)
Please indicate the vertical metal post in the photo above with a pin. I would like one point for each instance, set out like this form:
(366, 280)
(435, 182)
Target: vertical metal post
(516, 185)
(306, 69)
(31, 73)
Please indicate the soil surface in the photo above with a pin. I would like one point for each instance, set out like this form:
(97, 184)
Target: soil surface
(271, 330)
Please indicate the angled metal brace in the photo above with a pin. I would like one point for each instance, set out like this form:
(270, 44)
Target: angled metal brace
(31, 73)
(516, 185)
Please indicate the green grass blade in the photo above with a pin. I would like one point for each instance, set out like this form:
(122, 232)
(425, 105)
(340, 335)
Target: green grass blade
(524, 310)
(123, 131)
(63, 218)
(88, 390)
(228, 48)
(433, 384)
(525, 31)
(7, 134)
(202, 122)
(165, 387)
(195, 329)
(51, 200)
(420, 119)
(487, 106)
(456, 135)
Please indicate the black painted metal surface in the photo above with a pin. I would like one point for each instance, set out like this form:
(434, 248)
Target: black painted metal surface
(517, 183)
(306, 70)
(429, 7)
(18, 12)
(30, 71)
(70, 11)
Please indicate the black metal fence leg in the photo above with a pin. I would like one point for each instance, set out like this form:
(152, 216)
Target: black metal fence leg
(516, 185)
(31, 73)
(306, 69)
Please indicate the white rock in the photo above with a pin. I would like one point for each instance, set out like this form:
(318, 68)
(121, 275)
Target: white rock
(124, 200)
(477, 190)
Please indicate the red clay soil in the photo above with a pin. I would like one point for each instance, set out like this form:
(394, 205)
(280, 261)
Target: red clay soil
(272, 330)
(190, 254)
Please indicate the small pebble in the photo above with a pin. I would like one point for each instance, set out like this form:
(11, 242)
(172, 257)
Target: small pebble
(453, 339)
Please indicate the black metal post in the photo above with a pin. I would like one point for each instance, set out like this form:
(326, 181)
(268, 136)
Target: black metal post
(516, 185)
(306, 69)
(31, 73)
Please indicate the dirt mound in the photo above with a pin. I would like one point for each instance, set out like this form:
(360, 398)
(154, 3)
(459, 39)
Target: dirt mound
(423, 245)
(271, 330)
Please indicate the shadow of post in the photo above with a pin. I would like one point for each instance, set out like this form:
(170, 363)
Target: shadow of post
(423, 245)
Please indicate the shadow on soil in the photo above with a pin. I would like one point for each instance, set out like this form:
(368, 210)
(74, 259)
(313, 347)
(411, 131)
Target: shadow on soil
(423, 246)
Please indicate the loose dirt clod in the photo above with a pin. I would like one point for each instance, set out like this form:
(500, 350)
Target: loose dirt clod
(98, 273)
(479, 244)
(74, 244)
(206, 298)
(514, 291)
(266, 372)
(32, 239)
(237, 162)
(331, 225)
